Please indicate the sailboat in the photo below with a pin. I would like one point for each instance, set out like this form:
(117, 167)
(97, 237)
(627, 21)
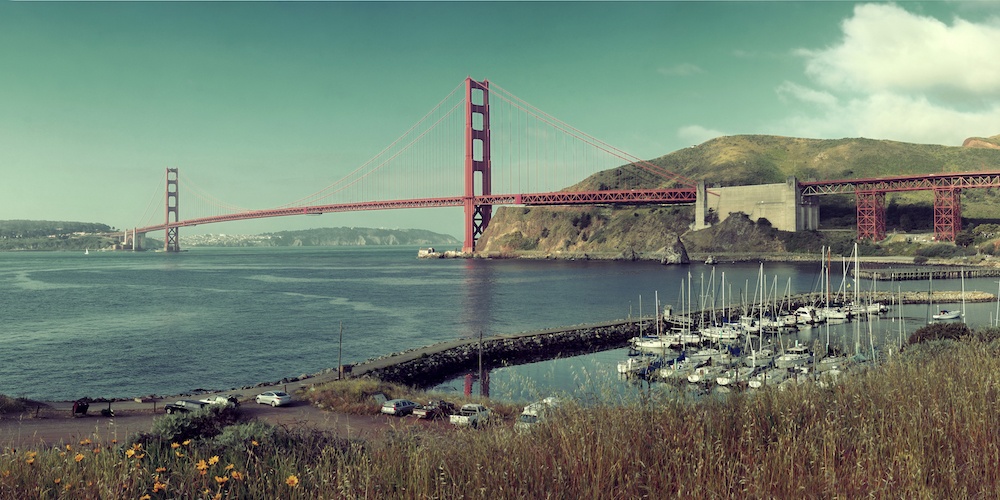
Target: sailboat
(947, 314)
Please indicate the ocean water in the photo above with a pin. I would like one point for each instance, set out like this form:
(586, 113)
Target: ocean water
(128, 324)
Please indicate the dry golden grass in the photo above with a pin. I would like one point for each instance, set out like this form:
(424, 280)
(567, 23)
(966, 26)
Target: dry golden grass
(924, 425)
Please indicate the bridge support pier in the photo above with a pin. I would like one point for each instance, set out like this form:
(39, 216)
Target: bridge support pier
(871, 215)
(477, 159)
(947, 213)
(171, 240)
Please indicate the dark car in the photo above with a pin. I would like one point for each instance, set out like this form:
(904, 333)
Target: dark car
(184, 406)
(435, 409)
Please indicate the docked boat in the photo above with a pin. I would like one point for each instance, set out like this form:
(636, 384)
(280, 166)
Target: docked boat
(797, 355)
(946, 314)
(732, 376)
(710, 353)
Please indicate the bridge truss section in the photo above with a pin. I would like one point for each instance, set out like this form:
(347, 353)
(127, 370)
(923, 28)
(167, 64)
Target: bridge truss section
(870, 197)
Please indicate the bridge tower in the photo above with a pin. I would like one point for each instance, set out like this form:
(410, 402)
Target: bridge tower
(947, 213)
(171, 242)
(477, 159)
(871, 215)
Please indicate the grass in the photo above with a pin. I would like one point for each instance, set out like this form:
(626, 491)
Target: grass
(923, 425)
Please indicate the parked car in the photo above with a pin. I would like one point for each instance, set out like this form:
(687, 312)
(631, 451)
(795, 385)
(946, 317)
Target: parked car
(435, 409)
(536, 413)
(228, 399)
(399, 407)
(184, 406)
(273, 398)
(471, 415)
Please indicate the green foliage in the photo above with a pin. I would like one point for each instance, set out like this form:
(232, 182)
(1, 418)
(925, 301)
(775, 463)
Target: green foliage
(964, 238)
(516, 241)
(940, 331)
(920, 260)
(204, 423)
(944, 251)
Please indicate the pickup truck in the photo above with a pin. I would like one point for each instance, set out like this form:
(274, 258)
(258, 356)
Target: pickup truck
(471, 415)
(222, 400)
(435, 409)
(184, 406)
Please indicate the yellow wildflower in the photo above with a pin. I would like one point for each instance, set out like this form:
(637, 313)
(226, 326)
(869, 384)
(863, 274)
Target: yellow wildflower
(201, 465)
(158, 486)
(145, 497)
(137, 446)
(185, 443)
(114, 441)
(129, 453)
(69, 448)
(213, 460)
(255, 443)
(292, 481)
(161, 469)
(68, 486)
(78, 457)
(218, 496)
(57, 480)
(96, 451)
(237, 475)
(179, 454)
(30, 461)
(175, 445)
(230, 467)
(221, 479)
(6, 473)
(85, 442)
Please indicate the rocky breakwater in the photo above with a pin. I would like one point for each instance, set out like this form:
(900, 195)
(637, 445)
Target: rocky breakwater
(435, 364)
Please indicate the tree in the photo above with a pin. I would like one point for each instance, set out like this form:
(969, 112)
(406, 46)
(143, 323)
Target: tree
(965, 238)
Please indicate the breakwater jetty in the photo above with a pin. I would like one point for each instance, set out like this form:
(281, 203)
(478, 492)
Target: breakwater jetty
(431, 365)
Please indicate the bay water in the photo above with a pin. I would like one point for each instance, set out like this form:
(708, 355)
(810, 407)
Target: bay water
(122, 324)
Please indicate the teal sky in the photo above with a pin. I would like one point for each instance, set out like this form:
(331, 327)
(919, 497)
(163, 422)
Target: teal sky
(261, 103)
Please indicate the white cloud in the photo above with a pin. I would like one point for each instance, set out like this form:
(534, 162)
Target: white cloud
(901, 76)
(683, 69)
(886, 48)
(696, 134)
(806, 94)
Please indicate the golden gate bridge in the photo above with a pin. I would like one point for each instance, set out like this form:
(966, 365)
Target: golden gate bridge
(481, 146)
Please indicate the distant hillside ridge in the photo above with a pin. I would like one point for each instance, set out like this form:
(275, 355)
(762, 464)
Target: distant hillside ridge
(332, 236)
(763, 159)
(44, 235)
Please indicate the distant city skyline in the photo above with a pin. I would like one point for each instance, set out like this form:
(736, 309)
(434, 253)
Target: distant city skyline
(260, 103)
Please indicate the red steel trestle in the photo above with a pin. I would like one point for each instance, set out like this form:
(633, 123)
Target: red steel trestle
(477, 159)
(947, 213)
(171, 242)
(871, 215)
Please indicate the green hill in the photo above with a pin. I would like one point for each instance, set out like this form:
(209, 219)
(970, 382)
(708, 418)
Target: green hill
(751, 159)
(762, 159)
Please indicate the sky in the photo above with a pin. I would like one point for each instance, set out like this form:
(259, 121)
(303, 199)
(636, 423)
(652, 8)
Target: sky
(260, 103)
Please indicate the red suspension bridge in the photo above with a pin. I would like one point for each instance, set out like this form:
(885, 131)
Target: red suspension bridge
(485, 147)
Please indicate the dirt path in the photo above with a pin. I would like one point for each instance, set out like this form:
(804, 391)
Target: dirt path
(52, 428)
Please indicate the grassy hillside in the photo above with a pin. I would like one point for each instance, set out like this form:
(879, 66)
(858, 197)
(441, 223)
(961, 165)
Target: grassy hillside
(749, 159)
(760, 159)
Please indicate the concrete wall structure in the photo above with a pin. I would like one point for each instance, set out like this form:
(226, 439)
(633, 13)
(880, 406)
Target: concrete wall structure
(781, 204)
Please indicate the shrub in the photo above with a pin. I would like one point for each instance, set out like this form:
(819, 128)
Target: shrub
(205, 423)
(11, 405)
(940, 331)
(920, 260)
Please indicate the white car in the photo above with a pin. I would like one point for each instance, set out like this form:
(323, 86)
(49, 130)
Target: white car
(273, 398)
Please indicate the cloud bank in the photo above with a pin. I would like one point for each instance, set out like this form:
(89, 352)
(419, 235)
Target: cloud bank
(902, 76)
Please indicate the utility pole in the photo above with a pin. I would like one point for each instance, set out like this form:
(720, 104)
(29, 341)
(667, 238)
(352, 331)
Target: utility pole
(340, 355)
